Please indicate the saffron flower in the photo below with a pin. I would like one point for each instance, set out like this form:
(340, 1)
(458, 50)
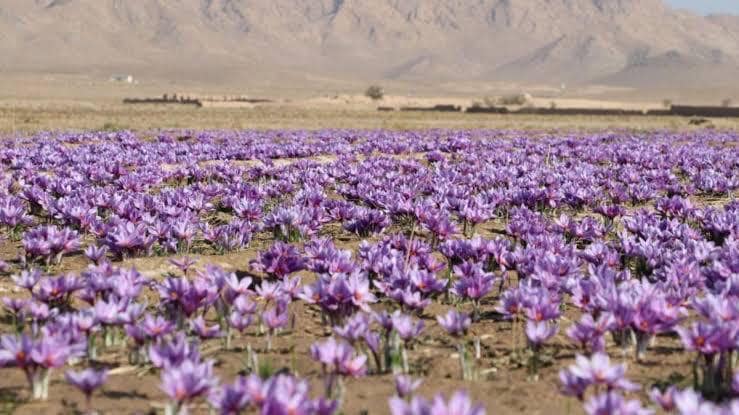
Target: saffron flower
(87, 381)
(186, 382)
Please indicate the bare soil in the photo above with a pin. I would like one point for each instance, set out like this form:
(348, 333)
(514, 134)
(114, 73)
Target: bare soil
(26, 118)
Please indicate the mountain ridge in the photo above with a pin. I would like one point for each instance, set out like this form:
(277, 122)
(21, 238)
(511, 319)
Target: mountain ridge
(622, 42)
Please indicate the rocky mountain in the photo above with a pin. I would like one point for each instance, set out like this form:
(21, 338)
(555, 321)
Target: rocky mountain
(622, 42)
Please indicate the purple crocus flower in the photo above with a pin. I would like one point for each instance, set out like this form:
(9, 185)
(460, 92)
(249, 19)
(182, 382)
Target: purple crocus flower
(279, 260)
(384, 319)
(156, 327)
(27, 279)
(366, 222)
(239, 286)
(598, 370)
(354, 329)
(275, 318)
(96, 253)
(57, 289)
(703, 337)
(510, 303)
(358, 287)
(412, 300)
(573, 385)
(612, 402)
(406, 327)
(244, 305)
(269, 291)
(473, 283)
(85, 321)
(50, 243)
(291, 287)
(416, 406)
(137, 334)
(187, 381)
(245, 208)
(183, 264)
(322, 406)
(458, 404)
(372, 340)
(199, 327)
(590, 333)
(15, 306)
(665, 399)
(13, 213)
(128, 239)
(339, 357)
(257, 389)
(240, 321)
(289, 395)
(109, 312)
(16, 351)
(52, 352)
(87, 381)
(455, 323)
(230, 399)
(405, 385)
(690, 402)
(425, 281)
(39, 312)
(539, 332)
(171, 353)
(539, 305)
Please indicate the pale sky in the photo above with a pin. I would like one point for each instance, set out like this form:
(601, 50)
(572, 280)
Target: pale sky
(708, 6)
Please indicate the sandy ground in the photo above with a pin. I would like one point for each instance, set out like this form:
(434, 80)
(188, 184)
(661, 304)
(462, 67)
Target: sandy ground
(36, 102)
(32, 118)
(399, 101)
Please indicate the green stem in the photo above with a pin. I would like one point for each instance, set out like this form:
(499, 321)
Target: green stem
(404, 357)
(463, 360)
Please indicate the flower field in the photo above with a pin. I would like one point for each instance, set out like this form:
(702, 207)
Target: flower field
(382, 272)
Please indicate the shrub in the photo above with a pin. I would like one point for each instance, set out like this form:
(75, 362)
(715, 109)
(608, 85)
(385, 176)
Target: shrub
(375, 92)
(515, 99)
(490, 102)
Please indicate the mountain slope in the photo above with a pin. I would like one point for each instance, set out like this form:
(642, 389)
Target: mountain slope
(615, 41)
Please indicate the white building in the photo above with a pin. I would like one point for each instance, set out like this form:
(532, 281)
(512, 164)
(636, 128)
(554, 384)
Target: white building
(122, 78)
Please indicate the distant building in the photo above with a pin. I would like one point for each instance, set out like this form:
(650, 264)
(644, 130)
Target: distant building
(122, 78)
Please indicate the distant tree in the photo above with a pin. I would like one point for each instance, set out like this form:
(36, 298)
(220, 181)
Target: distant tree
(667, 103)
(726, 103)
(375, 92)
(515, 99)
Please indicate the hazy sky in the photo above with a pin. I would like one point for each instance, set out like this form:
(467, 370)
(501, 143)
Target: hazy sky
(708, 6)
